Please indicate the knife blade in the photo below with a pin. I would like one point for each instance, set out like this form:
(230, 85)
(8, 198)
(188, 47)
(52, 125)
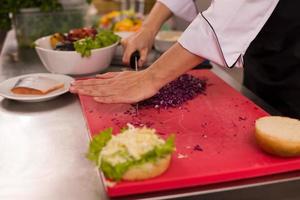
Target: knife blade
(134, 58)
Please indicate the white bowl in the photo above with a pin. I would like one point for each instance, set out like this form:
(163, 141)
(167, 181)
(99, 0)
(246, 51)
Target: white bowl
(165, 39)
(71, 62)
(124, 34)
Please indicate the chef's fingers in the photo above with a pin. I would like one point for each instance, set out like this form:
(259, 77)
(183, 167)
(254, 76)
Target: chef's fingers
(104, 99)
(91, 82)
(127, 54)
(143, 54)
(85, 82)
(111, 99)
(107, 75)
(73, 90)
(94, 91)
(124, 43)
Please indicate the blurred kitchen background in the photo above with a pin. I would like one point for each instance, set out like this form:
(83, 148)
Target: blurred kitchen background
(90, 10)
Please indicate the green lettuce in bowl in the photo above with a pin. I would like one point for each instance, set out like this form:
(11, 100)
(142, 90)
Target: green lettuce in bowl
(104, 38)
(91, 54)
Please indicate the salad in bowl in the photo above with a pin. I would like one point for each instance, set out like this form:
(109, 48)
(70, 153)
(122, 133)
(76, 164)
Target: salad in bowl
(78, 52)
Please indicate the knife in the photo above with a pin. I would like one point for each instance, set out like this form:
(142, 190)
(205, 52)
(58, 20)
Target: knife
(134, 58)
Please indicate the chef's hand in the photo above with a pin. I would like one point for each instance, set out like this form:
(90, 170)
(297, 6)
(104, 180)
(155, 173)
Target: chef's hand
(117, 87)
(141, 41)
(132, 86)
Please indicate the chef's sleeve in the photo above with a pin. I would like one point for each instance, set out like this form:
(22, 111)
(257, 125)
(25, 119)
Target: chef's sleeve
(225, 30)
(185, 9)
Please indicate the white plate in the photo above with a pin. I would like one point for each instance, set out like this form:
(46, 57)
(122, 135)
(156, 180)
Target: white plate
(5, 88)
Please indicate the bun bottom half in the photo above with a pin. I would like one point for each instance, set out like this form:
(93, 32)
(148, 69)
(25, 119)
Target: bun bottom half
(147, 170)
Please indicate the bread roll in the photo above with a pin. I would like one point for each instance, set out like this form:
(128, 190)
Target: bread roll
(278, 135)
(147, 170)
(132, 155)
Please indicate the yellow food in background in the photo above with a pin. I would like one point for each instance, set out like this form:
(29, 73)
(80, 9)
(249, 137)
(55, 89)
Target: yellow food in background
(121, 21)
(106, 19)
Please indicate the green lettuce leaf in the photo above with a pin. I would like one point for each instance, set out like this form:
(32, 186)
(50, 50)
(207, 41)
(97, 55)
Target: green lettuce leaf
(167, 148)
(84, 46)
(97, 143)
(159, 151)
(116, 172)
(104, 38)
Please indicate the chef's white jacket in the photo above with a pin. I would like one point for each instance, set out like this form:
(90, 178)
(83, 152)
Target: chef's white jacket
(225, 30)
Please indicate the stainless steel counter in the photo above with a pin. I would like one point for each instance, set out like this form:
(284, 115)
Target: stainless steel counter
(43, 146)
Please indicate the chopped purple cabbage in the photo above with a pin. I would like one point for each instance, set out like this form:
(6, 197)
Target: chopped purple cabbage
(177, 92)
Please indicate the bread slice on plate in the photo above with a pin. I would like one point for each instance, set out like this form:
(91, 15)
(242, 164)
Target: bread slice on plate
(278, 135)
(36, 85)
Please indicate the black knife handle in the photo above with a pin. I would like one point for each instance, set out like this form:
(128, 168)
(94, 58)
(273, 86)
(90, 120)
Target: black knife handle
(135, 55)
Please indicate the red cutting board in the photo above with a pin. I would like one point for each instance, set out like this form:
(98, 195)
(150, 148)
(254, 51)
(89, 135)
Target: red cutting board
(214, 138)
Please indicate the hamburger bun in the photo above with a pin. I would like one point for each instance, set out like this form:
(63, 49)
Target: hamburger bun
(147, 170)
(278, 135)
(134, 154)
